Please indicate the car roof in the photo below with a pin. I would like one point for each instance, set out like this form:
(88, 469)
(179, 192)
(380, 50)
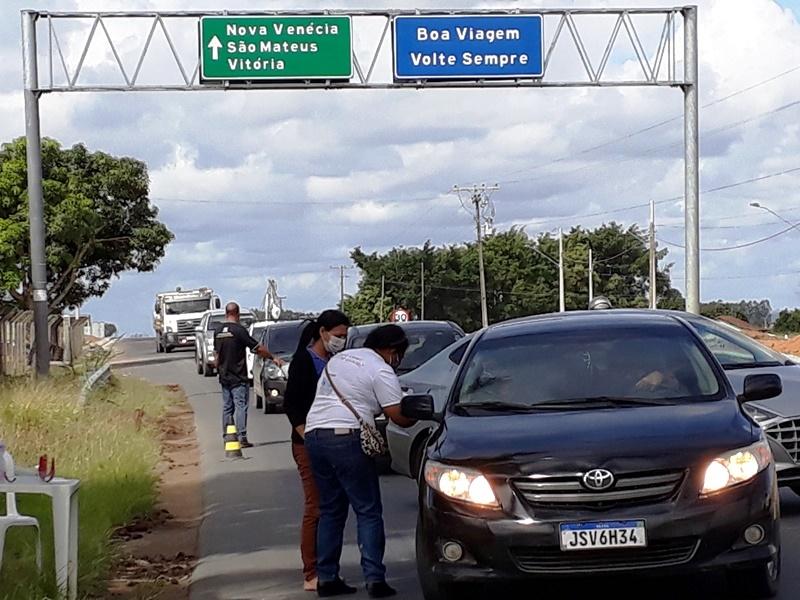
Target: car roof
(410, 325)
(585, 319)
(294, 323)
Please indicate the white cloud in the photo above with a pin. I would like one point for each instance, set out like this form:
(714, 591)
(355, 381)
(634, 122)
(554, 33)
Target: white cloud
(291, 181)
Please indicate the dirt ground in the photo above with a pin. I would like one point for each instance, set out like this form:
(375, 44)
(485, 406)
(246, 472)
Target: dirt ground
(158, 554)
(785, 344)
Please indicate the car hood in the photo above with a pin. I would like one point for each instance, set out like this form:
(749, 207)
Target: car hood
(640, 438)
(785, 405)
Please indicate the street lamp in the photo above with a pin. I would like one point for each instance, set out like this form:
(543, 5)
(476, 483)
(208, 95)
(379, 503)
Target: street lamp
(772, 212)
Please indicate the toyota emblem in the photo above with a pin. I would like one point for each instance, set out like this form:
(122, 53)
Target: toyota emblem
(598, 479)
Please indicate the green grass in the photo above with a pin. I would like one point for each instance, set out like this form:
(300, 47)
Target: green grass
(103, 444)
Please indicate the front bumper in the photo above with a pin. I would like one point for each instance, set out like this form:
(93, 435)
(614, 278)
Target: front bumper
(177, 340)
(683, 535)
(274, 390)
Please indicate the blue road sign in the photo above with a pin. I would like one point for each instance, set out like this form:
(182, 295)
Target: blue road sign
(468, 47)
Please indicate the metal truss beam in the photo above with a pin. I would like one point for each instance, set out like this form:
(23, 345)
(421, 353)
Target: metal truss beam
(562, 27)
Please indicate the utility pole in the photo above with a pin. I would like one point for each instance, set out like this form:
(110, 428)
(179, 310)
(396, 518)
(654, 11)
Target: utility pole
(33, 144)
(591, 275)
(341, 283)
(484, 214)
(383, 295)
(422, 290)
(653, 263)
(561, 300)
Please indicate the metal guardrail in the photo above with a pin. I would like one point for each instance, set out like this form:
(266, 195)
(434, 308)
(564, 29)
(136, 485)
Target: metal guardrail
(94, 380)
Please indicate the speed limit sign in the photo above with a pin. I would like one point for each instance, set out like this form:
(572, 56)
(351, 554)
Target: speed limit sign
(400, 315)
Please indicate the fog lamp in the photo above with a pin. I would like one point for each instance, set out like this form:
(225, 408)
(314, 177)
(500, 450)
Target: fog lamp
(754, 535)
(452, 551)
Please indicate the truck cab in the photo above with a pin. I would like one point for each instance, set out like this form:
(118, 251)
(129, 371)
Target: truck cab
(177, 314)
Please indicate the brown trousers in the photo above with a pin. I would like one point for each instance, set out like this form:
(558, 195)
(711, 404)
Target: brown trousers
(308, 531)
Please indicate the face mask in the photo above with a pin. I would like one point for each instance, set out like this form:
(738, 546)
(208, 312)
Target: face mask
(334, 344)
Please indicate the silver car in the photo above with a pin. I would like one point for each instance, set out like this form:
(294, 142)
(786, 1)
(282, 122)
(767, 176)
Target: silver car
(434, 377)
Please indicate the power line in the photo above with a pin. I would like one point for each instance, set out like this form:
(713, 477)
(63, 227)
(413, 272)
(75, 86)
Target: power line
(667, 200)
(737, 246)
(655, 125)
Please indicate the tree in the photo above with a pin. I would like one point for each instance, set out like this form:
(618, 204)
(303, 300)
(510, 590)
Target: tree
(521, 276)
(98, 218)
(788, 321)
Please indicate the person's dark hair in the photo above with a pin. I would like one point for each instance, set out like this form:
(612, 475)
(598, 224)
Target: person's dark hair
(387, 337)
(328, 319)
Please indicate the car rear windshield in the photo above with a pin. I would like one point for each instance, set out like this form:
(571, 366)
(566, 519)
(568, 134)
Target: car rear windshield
(423, 344)
(662, 363)
(282, 340)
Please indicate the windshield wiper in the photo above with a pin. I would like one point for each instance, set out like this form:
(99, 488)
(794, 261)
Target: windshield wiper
(497, 405)
(753, 365)
(593, 401)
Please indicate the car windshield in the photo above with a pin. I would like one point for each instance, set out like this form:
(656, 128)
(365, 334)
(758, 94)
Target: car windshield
(213, 320)
(573, 369)
(282, 340)
(423, 344)
(735, 350)
(258, 332)
(186, 306)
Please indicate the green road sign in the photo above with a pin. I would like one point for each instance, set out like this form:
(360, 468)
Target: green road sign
(295, 47)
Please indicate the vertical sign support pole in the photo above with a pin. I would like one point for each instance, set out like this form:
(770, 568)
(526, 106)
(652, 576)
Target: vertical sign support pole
(383, 294)
(591, 275)
(35, 194)
(691, 161)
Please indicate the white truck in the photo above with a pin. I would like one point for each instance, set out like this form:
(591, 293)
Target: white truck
(176, 315)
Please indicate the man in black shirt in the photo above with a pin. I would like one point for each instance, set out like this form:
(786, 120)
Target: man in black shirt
(231, 341)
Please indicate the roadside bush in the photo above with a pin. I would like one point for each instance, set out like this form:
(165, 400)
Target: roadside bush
(788, 322)
(111, 445)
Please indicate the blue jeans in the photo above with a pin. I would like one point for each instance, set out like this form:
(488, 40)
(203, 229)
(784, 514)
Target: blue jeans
(346, 477)
(235, 401)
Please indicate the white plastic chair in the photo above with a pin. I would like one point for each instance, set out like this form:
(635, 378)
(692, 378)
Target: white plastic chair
(12, 518)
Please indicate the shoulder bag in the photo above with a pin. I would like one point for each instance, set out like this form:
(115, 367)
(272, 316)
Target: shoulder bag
(372, 442)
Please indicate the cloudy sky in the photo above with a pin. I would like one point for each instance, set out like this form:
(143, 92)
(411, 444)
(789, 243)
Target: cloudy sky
(282, 184)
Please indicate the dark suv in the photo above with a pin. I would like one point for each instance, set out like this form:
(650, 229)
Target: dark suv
(584, 444)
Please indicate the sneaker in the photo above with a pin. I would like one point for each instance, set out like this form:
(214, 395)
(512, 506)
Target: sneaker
(244, 443)
(310, 585)
(337, 587)
(380, 589)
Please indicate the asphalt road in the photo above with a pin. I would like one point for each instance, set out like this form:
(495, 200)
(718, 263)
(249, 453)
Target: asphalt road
(136, 350)
(250, 534)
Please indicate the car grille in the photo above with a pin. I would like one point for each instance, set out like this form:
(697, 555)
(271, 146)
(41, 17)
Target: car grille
(553, 559)
(631, 488)
(787, 434)
(187, 327)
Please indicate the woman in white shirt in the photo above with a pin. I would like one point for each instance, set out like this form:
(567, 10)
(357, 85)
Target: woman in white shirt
(346, 476)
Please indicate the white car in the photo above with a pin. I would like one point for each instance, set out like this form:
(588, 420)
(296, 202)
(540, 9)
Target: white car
(204, 357)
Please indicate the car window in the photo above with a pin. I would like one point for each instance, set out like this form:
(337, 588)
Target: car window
(213, 320)
(282, 340)
(736, 349)
(423, 344)
(658, 363)
(440, 369)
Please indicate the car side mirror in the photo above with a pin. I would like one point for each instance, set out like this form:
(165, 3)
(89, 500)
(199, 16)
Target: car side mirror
(419, 407)
(761, 387)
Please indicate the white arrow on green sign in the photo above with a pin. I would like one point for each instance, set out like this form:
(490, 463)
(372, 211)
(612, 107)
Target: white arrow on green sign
(270, 47)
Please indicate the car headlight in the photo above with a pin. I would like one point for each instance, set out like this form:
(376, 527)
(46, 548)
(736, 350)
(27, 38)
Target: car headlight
(465, 485)
(736, 466)
(760, 415)
(170, 329)
(274, 371)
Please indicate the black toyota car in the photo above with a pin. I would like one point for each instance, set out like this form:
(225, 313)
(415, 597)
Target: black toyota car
(584, 444)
